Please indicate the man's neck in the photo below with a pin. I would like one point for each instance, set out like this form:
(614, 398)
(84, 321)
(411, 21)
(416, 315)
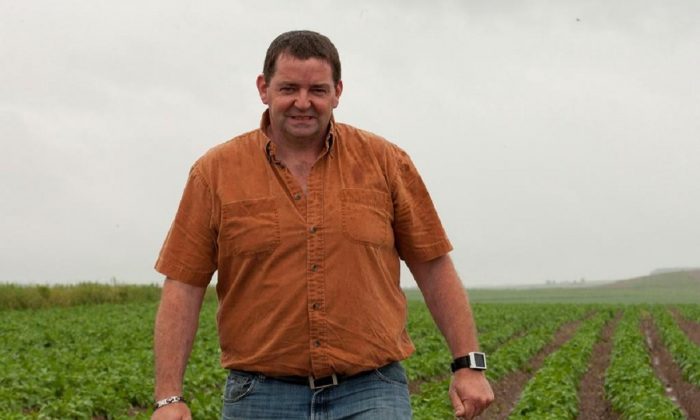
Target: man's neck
(296, 150)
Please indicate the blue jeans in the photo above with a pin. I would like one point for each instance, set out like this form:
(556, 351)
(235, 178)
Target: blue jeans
(379, 394)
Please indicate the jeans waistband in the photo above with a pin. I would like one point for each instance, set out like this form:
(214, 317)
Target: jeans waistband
(316, 383)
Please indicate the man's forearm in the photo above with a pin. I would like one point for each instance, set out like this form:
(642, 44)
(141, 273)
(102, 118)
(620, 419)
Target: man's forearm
(448, 304)
(175, 329)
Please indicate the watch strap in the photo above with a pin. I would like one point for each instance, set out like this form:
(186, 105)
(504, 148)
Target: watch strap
(460, 363)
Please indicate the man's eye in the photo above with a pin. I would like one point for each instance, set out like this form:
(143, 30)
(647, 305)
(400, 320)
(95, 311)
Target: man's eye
(286, 89)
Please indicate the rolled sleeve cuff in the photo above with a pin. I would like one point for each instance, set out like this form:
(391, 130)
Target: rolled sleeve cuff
(428, 252)
(176, 271)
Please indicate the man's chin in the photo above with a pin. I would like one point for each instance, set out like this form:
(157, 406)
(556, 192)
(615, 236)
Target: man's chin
(309, 133)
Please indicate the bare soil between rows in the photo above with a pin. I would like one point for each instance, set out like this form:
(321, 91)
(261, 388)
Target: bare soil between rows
(509, 388)
(593, 404)
(690, 328)
(684, 394)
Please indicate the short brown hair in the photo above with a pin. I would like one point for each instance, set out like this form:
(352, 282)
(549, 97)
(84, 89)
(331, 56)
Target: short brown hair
(302, 45)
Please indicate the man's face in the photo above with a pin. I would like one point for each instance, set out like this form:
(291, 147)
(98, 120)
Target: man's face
(301, 97)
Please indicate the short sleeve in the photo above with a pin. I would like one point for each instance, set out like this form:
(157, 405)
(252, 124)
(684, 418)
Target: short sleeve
(189, 253)
(418, 232)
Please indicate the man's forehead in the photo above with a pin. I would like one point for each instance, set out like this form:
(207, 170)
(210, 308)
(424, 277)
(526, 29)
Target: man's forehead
(289, 65)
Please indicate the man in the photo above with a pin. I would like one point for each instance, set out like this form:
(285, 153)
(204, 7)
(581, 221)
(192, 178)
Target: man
(305, 220)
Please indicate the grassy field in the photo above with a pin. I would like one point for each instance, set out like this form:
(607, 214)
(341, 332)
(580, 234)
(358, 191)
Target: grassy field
(66, 356)
(668, 288)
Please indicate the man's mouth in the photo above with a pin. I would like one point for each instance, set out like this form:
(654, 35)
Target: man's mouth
(302, 117)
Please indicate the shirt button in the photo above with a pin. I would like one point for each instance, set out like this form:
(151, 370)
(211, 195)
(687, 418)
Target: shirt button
(316, 306)
(317, 343)
(297, 196)
(312, 229)
(314, 267)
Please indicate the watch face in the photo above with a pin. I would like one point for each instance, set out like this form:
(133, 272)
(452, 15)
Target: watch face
(479, 360)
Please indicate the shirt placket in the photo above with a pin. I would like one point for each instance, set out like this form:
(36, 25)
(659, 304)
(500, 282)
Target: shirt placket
(315, 280)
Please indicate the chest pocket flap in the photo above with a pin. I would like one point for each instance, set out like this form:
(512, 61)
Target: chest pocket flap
(250, 226)
(367, 216)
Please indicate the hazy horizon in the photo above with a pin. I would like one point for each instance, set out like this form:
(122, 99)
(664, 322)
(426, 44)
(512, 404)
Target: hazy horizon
(559, 140)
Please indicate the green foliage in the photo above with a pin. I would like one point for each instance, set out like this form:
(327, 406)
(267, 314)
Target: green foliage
(684, 352)
(515, 354)
(95, 361)
(553, 391)
(514, 333)
(14, 296)
(630, 383)
(665, 288)
(432, 402)
(691, 312)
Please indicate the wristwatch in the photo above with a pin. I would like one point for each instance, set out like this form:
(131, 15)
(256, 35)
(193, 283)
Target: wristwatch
(474, 360)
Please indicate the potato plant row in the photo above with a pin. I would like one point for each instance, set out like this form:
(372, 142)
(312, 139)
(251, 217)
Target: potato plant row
(96, 361)
(543, 321)
(553, 392)
(630, 383)
(515, 354)
(684, 352)
(503, 329)
(691, 312)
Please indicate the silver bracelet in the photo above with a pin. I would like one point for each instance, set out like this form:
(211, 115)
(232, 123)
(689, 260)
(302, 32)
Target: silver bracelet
(168, 401)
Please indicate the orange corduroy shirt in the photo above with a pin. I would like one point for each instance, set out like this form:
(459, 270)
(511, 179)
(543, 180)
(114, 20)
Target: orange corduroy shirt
(308, 283)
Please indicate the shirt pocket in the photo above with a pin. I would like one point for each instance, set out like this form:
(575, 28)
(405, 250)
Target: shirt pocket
(367, 216)
(250, 226)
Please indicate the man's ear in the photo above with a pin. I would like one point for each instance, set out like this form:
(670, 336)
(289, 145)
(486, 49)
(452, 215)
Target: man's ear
(338, 91)
(262, 88)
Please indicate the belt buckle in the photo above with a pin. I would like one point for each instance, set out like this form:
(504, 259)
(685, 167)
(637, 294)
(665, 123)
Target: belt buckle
(314, 383)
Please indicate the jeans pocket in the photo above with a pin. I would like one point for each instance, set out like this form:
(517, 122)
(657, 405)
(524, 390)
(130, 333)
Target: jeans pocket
(239, 385)
(392, 373)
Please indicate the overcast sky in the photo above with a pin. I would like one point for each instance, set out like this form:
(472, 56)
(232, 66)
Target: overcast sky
(559, 139)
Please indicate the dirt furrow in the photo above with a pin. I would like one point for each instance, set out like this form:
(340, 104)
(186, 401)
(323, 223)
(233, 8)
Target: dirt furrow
(509, 388)
(593, 404)
(684, 394)
(690, 328)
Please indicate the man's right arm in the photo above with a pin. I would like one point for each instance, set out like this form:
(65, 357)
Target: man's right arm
(175, 329)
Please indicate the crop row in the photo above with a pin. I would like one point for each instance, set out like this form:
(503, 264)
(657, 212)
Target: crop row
(497, 324)
(691, 312)
(95, 361)
(630, 383)
(685, 353)
(553, 391)
(514, 354)
(431, 402)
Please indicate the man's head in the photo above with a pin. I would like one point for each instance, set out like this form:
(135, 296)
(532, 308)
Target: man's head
(302, 45)
(301, 86)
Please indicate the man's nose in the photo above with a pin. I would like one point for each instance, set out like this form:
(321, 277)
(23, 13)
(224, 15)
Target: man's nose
(302, 100)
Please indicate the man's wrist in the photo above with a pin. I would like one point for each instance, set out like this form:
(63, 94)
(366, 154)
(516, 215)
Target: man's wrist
(474, 360)
(167, 401)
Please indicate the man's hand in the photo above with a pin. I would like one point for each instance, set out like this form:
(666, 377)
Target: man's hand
(176, 411)
(470, 393)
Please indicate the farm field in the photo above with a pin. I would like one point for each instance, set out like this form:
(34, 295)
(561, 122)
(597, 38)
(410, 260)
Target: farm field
(546, 360)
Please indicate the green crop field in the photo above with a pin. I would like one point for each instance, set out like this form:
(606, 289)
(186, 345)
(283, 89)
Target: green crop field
(63, 360)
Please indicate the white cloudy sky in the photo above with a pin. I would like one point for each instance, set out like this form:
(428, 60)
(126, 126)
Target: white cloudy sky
(559, 139)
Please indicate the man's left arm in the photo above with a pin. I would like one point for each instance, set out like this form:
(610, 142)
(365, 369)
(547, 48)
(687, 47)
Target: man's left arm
(447, 301)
